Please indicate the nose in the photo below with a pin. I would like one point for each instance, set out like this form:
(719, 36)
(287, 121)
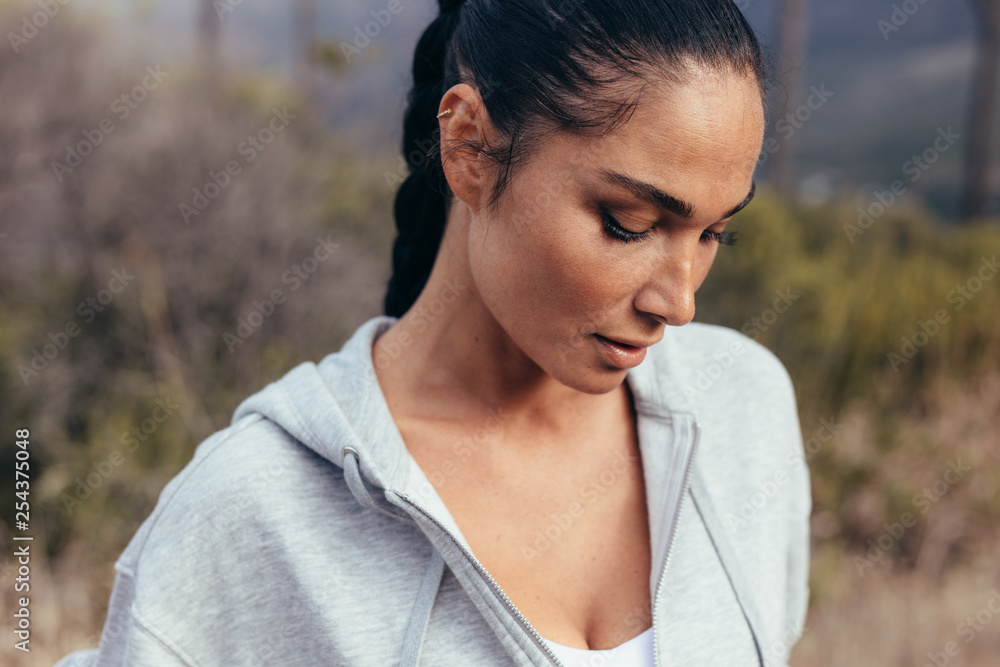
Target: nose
(668, 295)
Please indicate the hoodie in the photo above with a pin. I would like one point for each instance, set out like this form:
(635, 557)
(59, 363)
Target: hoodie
(305, 534)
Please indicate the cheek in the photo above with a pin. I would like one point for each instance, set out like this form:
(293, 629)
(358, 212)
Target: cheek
(551, 271)
(519, 266)
(556, 264)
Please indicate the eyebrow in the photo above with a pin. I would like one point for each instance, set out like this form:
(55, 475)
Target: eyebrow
(650, 193)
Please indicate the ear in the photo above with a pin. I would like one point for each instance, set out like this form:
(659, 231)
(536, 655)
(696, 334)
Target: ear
(464, 167)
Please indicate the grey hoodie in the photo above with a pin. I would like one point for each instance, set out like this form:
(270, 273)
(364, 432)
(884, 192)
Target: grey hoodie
(305, 533)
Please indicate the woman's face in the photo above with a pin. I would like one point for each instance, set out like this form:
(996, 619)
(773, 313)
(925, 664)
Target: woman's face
(555, 278)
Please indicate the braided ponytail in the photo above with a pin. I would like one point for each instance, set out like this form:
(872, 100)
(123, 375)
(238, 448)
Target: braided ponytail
(421, 202)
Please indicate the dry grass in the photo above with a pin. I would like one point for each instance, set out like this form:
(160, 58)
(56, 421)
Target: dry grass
(889, 618)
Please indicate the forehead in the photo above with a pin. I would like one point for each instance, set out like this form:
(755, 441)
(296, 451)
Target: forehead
(712, 120)
(698, 139)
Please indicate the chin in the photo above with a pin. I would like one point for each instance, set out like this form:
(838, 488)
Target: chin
(588, 377)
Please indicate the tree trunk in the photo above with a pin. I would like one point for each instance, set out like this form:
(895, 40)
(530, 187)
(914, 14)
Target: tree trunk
(982, 137)
(793, 37)
(306, 16)
(209, 34)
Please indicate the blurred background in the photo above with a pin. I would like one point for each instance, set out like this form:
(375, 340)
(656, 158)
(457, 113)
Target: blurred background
(165, 166)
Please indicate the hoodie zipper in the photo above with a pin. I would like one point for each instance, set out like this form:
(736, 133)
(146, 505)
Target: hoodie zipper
(486, 575)
(670, 542)
(510, 605)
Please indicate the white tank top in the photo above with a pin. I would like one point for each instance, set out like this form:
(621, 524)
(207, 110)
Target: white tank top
(636, 652)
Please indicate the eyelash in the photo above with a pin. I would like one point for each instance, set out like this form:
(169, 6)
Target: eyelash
(614, 228)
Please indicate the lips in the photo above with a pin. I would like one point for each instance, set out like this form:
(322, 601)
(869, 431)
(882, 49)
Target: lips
(625, 343)
(621, 354)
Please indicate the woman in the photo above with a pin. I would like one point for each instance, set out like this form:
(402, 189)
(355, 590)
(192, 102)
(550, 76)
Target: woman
(532, 458)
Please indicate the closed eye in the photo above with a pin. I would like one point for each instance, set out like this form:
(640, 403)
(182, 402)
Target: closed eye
(616, 231)
(723, 238)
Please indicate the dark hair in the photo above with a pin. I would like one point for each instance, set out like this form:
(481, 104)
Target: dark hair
(542, 66)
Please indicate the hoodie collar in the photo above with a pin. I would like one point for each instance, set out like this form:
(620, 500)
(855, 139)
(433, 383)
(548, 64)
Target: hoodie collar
(339, 404)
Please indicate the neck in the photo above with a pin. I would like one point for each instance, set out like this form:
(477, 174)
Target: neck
(448, 358)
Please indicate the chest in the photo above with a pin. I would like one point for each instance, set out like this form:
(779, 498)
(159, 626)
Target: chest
(566, 536)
